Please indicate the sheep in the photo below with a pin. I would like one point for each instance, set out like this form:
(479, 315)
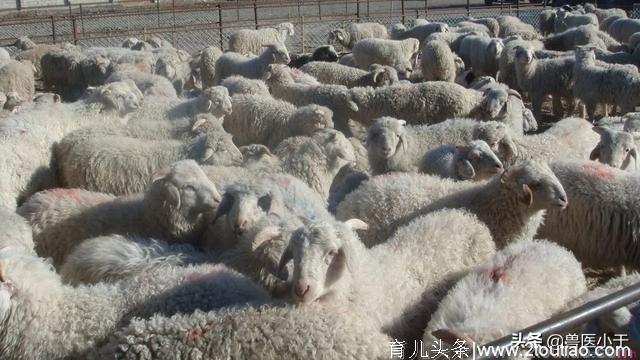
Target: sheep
(632, 123)
(393, 146)
(571, 38)
(45, 319)
(208, 59)
(35, 52)
(616, 148)
(347, 60)
(337, 74)
(329, 333)
(247, 41)
(175, 66)
(622, 29)
(439, 63)
(614, 84)
(283, 86)
(609, 57)
(149, 84)
(469, 26)
(566, 20)
(546, 20)
(481, 54)
(606, 22)
(453, 38)
(355, 32)
(600, 225)
(317, 159)
(17, 77)
(428, 103)
(420, 32)
(130, 42)
(252, 68)
(16, 232)
(62, 71)
(506, 66)
(325, 53)
(399, 54)
(264, 120)
(492, 24)
(240, 85)
(603, 13)
(515, 115)
(511, 25)
(176, 207)
(93, 163)
(158, 42)
(28, 140)
(475, 161)
(539, 78)
(332, 266)
(251, 202)
(522, 285)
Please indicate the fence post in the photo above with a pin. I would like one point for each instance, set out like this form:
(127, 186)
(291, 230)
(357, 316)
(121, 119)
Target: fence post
(255, 13)
(53, 29)
(237, 9)
(302, 37)
(158, 11)
(75, 30)
(357, 10)
(82, 19)
(426, 8)
(69, 6)
(173, 26)
(402, 10)
(319, 10)
(518, 9)
(220, 26)
(468, 6)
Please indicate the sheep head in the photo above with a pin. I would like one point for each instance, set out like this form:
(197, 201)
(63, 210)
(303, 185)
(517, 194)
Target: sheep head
(385, 137)
(120, 96)
(534, 185)
(285, 28)
(325, 53)
(336, 147)
(616, 148)
(321, 252)
(216, 147)
(277, 53)
(308, 119)
(476, 161)
(383, 75)
(339, 36)
(216, 101)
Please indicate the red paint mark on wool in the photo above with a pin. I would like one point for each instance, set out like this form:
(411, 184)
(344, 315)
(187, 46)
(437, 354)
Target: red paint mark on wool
(194, 335)
(498, 274)
(600, 171)
(61, 193)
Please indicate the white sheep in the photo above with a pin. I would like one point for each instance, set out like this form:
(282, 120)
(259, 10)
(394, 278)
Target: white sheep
(571, 38)
(268, 121)
(176, 207)
(122, 165)
(394, 146)
(391, 282)
(317, 159)
(15, 231)
(490, 23)
(607, 21)
(399, 54)
(600, 225)
(481, 54)
(474, 161)
(324, 53)
(357, 31)
(208, 59)
(546, 20)
(231, 63)
(295, 332)
(616, 148)
(622, 29)
(522, 285)
(419, 32)
(603, 13)
(511, 25)
(282, 83)
(506, 66)
(17, 77)
(337, 74)
(439, 63)
(247, 41)
(541, 77)
(614, 84)
(43, 318)
(241, 85)
(149, 84)
(566, 20)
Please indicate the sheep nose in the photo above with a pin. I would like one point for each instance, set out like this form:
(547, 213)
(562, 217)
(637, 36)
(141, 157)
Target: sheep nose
(301, 289)
(241, 227)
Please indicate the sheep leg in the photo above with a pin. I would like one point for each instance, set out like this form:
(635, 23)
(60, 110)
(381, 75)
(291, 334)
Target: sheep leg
(570, 105)
(557, 106)
(591, 110)
(536, 104)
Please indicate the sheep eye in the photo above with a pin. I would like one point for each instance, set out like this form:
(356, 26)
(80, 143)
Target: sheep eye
(627, 150)
(189, 188)
(534, 185)
(332, 253)
(264, 202)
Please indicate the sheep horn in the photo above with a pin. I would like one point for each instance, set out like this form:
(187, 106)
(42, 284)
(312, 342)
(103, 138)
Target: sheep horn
(357, 224)
(287, 256)
(266, 234)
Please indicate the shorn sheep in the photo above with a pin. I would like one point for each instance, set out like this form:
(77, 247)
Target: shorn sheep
(337, 74)
(331, 265)
(248, 41)
(523, 284)
(232, 63)
(600, 225)
(357, 31)
(481, 54)
(474, 161)
(439, 63)
(176, 207)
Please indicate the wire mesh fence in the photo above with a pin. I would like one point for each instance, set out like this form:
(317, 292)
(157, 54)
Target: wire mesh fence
(195, 27)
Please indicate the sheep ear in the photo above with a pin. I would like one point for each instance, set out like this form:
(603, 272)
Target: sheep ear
(514, 93)
(403, 142)
(350, 103)
(378, 77)
(160, 174)
(209, 105)
(208, 154)
(287, 256)
(465, 169)
(266, 234)
(3, 275)
(172, 194)
(357, 224)
(402, 122)
(634, 154)
(525, 195)
(451, 337)
(198, 123)
(56, 98)
(600, 130)
(595, 153)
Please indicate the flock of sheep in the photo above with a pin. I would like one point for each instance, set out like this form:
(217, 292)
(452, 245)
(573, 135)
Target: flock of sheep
(156, 204)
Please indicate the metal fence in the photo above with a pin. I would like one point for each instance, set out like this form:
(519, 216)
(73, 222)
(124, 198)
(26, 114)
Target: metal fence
(196, 26)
